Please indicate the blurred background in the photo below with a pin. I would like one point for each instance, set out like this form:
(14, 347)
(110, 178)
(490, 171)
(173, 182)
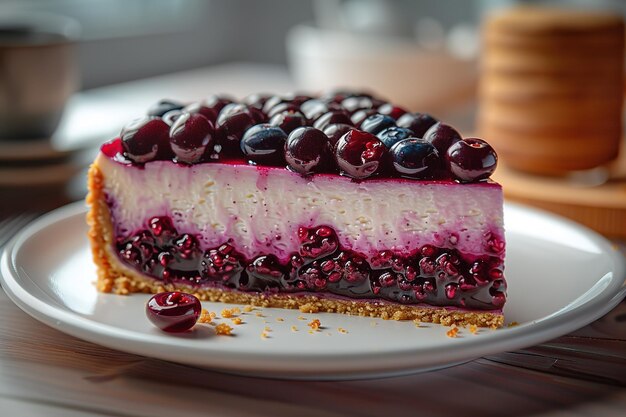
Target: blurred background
(117, 57)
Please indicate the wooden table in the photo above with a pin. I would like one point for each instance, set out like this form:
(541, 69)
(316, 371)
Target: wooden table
(46, 373)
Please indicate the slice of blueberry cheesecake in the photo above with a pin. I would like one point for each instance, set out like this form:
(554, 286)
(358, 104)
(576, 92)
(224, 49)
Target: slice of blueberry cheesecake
(337, 203)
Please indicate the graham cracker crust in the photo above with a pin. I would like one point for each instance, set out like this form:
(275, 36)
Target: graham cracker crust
(115, 277)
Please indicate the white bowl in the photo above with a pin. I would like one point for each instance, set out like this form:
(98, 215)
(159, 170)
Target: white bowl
(397, 69)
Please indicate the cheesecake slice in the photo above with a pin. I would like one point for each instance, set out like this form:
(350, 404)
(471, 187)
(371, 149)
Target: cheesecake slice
(369, 217)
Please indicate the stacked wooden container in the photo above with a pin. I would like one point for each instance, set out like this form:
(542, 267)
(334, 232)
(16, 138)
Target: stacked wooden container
(551, 88)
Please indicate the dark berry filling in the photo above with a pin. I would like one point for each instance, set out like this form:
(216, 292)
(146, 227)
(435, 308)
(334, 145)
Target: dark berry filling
(173, 131)
(430, 275)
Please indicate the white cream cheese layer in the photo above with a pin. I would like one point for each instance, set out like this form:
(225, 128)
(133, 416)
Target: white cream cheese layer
(260, 209)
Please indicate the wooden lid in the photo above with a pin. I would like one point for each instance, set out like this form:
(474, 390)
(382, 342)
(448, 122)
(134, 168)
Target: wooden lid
(532, 20)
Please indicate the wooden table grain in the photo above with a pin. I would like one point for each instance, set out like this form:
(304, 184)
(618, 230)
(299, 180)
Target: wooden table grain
(44, 372)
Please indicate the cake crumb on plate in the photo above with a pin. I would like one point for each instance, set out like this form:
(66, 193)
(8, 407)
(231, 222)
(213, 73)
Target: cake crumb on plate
(223, 329)
(452, 332)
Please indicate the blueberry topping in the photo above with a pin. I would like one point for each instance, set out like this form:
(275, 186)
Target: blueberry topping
(337, 138)
(414, 158)
(256, 100)
(471, 159)
(360, 154)
(307, 150)
(353, 104)
(332, 117)
(218, 102)
(200, 108)
(288, 121)
(390, 110)
(146, 139)
(360, 115)
(190, 136)
(282, 107)
(312, 109)
(295, 99)
(170, 117)
(394, 134)
(161, 107)
(442, 136)
(264, 144)
(376, 123)
(335, 131)
(419, 123)
(232, 122)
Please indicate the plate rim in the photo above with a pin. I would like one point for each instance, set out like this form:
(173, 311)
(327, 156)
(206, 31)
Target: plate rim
(569, 318)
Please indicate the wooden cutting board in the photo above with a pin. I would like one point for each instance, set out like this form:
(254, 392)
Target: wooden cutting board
(595, 198)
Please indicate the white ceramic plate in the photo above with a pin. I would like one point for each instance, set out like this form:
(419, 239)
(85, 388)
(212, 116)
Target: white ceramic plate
(561, 277)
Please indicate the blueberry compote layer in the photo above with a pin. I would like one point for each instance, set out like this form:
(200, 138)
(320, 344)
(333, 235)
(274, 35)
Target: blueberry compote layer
(430, 275)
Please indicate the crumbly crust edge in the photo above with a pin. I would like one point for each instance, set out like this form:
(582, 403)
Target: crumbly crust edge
(115, 277)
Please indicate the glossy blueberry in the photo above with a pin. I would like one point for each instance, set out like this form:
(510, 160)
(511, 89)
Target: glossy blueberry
(256, 100)
(471, 159)
(442, 136)
(146, 139)
(264, 144)
(419, 123)
(173, 311)
(282, 107)
(393, 135)
(339, 95)
(414, 158)
(190, 136)
(352, 104)
(232, 122)
(332, 117)
(376, 123)
(218, 102)
(360, 115)
(288, 121)
(170, 117)
(307, 150)
(200, 108)
(312, 109)
(161, 107)
(390, 110)
(360, 154)
(295, 99)
(335, 131)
